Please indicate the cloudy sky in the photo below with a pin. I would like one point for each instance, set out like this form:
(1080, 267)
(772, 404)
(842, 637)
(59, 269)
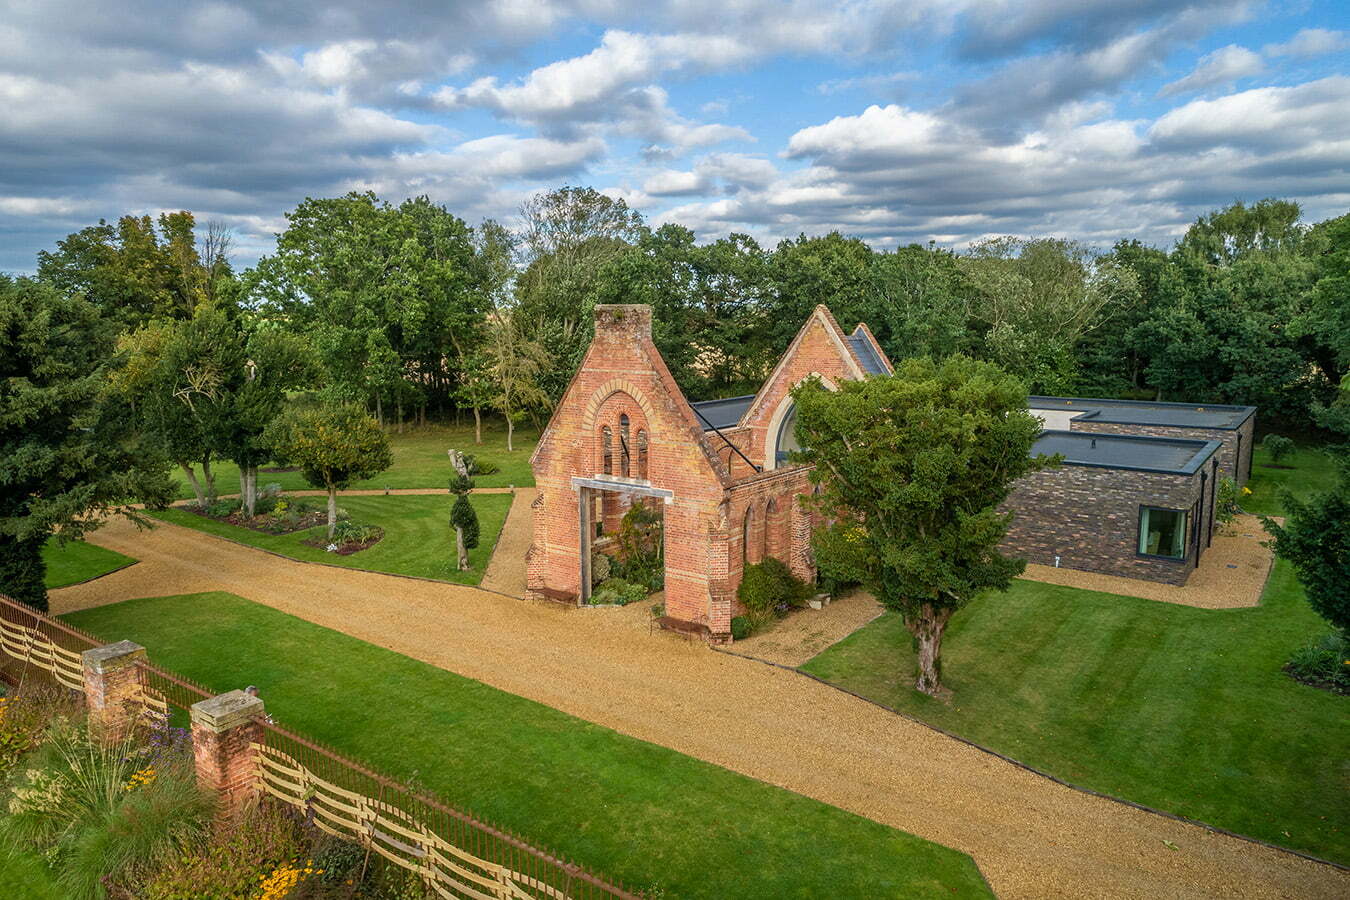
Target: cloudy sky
(894, 121)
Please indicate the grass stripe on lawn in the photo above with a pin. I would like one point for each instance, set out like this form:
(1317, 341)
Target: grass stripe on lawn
(630, 809)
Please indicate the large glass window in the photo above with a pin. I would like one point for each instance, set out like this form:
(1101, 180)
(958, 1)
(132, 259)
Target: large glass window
(787, 437)
(1162, 532)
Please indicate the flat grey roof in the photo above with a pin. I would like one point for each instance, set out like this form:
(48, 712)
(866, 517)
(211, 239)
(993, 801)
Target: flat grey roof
(866, 353)
(724, 413)
(1145, 412)
(1176, 456)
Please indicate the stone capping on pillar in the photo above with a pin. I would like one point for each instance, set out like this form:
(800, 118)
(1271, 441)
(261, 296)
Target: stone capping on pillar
(224, 730)
(225, 711)
(112, 688)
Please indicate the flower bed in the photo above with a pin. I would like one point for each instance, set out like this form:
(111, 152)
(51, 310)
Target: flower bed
(348, 538)
(275, 514)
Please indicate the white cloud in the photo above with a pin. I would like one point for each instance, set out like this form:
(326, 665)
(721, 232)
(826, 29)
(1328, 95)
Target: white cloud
(1310, 42)
(865, 82)
(1218, 69)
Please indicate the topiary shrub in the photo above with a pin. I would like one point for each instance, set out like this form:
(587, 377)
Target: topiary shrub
(769, 589)
(740, 628)
(1277, 447)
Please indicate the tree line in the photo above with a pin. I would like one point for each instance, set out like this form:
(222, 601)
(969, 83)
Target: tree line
(139, 346)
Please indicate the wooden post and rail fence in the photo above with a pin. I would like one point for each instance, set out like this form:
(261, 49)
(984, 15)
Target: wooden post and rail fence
(241, 755)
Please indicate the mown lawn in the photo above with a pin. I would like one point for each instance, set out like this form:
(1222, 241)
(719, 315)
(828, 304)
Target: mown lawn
(79, 561)
(1182, 709)
(630, 809)
(417, 540)
(1303, 472)
(420, 461)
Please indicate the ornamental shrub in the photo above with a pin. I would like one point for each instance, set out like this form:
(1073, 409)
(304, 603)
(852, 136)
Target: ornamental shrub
(1323, 663)
(769, 589)
(1277, 447)
(740, 628)
(618, 591)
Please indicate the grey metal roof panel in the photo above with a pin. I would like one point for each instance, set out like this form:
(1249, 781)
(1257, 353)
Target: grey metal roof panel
(1146, 412)
(866, 353)
(724, 413)
(1126, 451)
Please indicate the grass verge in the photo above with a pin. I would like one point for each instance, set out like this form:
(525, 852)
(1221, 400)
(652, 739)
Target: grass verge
(79, 561)
(1182, 709)
(420, 461)
(417, 541)
(630, 809)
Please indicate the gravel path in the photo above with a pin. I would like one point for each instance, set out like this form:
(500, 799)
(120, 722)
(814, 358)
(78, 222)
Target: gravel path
(505, 572)
(805, 633)
(1031, 837)
(1231, 574)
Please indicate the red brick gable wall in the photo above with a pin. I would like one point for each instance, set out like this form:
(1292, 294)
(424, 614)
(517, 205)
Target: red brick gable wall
(623, 374)
(818, 349)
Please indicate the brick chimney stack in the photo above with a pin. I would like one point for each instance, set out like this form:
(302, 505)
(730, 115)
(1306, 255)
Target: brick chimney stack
(624, 320)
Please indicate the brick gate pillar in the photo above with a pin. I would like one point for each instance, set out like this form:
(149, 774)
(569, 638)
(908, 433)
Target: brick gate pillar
(112, 689)
(224, 728)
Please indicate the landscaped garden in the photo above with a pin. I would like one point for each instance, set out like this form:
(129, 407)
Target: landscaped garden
(417, 538)
(632, 810)
(77, 561)
(1183, 709)
(420, 461)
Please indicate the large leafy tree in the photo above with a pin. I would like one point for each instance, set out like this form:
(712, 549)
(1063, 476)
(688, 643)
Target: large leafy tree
(568, 237)
(333, 446)
(706, 304)
(1037, 299)
(69, 455)
(921, 303)
(386, 294)
(516, 364)
(136, 272)
(912, 468)
(833, 269)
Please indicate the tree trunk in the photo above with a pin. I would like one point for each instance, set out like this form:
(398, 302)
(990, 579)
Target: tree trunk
(379, 411)
(332, 510)
(477, 426)
(210, 480)
(459, 548)
(400, 415)
(250, 476)
(196, 485)
(243, 491)
(927, 626)
(510, 432)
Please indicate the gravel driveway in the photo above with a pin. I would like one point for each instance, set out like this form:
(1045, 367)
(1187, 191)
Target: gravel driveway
(1031, 837)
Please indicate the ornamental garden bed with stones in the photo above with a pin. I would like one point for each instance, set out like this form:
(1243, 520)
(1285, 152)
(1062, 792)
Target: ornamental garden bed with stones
(348, 538)
(274, 513)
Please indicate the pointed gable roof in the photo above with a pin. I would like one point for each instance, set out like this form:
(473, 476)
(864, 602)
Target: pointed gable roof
(823, 318)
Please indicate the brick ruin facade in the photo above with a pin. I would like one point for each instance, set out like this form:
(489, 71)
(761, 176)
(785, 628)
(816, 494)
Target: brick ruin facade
(624, 430)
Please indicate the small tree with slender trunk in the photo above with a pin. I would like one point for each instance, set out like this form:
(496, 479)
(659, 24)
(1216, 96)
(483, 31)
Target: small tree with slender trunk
(463, 519)
(333, 446)
(912, 468)
(515, 363)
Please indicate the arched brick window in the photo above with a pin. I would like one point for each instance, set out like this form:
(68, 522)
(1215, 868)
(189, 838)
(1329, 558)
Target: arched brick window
(746, 530)
(606, 451)
(770, 524)
(642, 454)
(624, 453)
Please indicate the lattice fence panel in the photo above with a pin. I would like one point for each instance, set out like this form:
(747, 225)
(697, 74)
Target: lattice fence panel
(395, 834)
(32, 647)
